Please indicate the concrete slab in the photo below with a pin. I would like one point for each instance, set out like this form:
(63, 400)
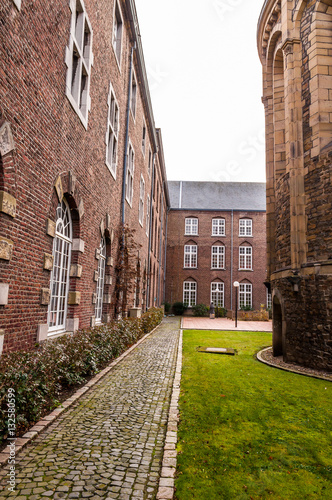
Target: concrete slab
(193, 323)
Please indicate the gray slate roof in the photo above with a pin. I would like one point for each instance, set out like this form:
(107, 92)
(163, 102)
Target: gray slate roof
(194, 195)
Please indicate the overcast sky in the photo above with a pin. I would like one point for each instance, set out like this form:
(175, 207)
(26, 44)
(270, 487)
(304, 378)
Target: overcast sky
(206, 86)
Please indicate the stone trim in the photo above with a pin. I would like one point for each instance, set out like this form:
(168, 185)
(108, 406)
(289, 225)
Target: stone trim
(48, 262)
(6, 248)
(42, 332)
(74, 299)
(77, 245)
(7, 204)
(17, 4)
(321, 268)
(45, 296)
(72, 324)
(4, 290)
(50, 228)
(75, 271)
(6, 139)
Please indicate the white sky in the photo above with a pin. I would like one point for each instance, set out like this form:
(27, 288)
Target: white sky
(206, 86)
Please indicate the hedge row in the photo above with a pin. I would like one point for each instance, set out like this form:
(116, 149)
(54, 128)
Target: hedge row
(37, 377)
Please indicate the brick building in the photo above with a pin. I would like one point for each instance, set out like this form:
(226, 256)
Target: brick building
(216, 234)
(295, 49)
(79, 156)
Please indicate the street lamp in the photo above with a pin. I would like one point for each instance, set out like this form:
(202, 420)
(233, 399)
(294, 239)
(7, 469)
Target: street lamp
(236, 285)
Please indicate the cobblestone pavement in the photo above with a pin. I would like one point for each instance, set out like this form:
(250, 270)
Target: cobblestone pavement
(110, 443)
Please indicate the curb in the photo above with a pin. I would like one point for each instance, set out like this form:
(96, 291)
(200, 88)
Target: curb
(298, 372)
(40, 426)
(166, 482)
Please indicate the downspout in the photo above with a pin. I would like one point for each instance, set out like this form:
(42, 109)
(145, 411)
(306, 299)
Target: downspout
(161, 241)
(232, 239)
(166, 229)
(149, 246)
(125, 164)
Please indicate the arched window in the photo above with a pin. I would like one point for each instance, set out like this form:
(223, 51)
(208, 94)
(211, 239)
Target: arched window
(62, 243)
(190, 255)
(245, 257)
(189, 293)
(100, 281)
(218, 257)
(245, 295)
(217, 293)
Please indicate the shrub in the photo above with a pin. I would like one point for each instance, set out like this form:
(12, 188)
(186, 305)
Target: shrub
(220, 312)
(201, 310)
(37, 377)
(167, 307)
(179, 308)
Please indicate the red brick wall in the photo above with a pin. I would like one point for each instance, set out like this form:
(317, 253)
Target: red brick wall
(176, 274)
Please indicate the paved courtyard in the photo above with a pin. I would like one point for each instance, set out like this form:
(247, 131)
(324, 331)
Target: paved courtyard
(110, 443)
(193, 323)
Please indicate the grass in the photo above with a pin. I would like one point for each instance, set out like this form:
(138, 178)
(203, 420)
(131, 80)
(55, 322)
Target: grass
(249, 431)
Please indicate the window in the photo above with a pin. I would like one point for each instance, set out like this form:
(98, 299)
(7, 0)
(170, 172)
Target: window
(150, 163)
(147, 215)
(218, 257)
(217, 294)
(62, 243)
(218, 227)
(100, 282)
(79, 60)
(245, 295)
(268, 300)
(112, 133)
(245, 228)
(189, 293)
(191, 226)
(130, 175)
(246, 258)
(117, 33)
(133, 95)
(190, 256)
(141, 201)
(143, 138)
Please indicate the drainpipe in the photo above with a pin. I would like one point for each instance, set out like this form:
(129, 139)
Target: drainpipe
(161, 241)
(232, 239)
(125, 164)
(166, 229)
(150, 229)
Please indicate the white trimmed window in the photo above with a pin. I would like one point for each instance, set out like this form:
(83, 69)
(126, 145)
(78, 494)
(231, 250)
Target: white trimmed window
(130, 175)
(191, 226)
(245, 227)
(189, 293)
(218, 227)
(190, 256)
(117, 32)
(112, 133)
(150, 163)
(245, 258)
(100, 281)
(217, 293)
(147, 215)
(79, 60)
(268, 300)
(141, 201)
(62, 243)
(143, 138)
(245, 295)
(133, 95)
(218, 257)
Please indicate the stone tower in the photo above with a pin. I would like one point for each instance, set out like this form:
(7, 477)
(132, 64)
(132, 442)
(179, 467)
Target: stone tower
(295, 48)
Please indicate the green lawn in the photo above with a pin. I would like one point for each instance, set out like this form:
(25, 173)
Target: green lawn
(249, 431)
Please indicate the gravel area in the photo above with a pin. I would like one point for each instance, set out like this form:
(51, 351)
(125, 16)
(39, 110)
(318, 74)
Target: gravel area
(267, 357)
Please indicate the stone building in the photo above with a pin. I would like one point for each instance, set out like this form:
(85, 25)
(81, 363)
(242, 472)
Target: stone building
(79, 157)
(295, 48)
(216, 234)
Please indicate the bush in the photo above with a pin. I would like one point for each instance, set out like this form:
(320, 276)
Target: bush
(179, 308)
(37, 377)
(167, 307)
(220, 312)
(201, 310)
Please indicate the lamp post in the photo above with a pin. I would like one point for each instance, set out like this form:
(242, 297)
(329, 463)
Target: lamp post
(236, 285)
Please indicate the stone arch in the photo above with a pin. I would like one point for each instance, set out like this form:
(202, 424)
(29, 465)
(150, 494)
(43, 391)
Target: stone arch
(278, 324)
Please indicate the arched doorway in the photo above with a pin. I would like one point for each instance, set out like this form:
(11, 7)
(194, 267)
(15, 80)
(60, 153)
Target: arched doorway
(277, 323)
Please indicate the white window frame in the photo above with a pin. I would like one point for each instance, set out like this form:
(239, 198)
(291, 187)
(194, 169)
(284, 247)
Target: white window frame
(150, 163)
(133, 95)
(268, 300)
(245, 227)
(218, 227)
(218, 257)
(245, 258)
(59, 280)
(245, 295)
(100, 282)
(217, 291)
(190, 256)
(130, 175)
(190, 293)
(79, 74)
(117, 33)
(191, 226)
(147, 215)
(141, 201)
(112, 132)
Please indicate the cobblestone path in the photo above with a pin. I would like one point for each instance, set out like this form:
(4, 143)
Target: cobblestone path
(110, 443)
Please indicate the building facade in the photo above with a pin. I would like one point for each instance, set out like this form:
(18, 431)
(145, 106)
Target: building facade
(216, 235)
(80, 158)
(295, 49)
